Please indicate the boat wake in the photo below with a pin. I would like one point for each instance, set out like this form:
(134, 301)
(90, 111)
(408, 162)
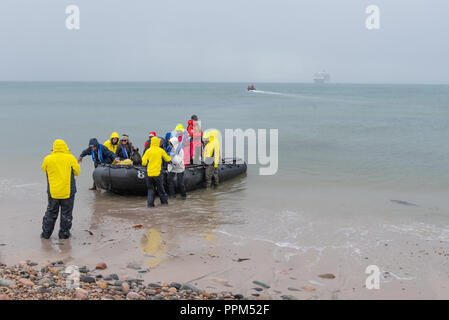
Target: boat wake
(307, 97)
(271, 93)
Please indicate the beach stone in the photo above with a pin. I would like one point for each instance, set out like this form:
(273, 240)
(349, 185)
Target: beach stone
(83, 269)
(150, 292)
(102, 284)
(22, 264)
(132, 296)
(54, 271)
(134, 266)
(238, 296)
(308, 288)
(176, 285)
(26, 282)
(154, 285)
(6, 283)
(115, 288)
(87, 279)
(41, 289)
(81, 294)
(293, 289)
(101, 266)
(125, 286)
(327, 276)
(113, 276)
(258, 289)
(259, 283)
(172, 290)
(188, 286)
(288, 297)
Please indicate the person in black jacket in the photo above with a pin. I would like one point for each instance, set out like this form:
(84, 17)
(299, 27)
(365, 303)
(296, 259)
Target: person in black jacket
(100, 154)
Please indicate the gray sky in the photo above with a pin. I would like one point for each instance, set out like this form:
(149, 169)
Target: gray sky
(228, 40)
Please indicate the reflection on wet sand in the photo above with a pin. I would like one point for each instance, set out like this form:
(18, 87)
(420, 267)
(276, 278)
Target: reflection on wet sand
(59, 248)
(152, 247)
(165, 228)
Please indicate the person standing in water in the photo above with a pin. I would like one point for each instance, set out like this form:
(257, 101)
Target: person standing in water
(61, 168)
(100, 154)
(196, 141)
(152, 159)
(211, 157)
(176, 171)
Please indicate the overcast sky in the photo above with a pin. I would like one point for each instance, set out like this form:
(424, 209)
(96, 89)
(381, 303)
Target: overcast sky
(228, 40)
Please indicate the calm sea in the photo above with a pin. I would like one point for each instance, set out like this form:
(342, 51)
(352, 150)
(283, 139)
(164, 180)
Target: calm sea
(345, 151)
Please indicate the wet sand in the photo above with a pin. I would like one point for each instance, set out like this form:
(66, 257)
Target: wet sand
(198, 241)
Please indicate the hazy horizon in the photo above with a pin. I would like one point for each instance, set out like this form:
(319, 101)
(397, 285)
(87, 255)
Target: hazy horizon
(286, 41)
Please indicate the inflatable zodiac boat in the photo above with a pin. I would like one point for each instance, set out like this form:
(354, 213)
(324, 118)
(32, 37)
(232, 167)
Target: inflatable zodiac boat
(132, 179)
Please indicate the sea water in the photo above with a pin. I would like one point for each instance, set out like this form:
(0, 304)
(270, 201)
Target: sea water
(351, 157)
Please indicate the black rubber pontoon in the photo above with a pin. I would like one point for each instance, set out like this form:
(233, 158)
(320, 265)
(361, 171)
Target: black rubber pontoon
(132, 179)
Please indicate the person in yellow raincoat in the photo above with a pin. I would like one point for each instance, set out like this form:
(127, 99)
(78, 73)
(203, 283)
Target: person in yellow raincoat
(211, 157)
(152, 159)
(112, 143)
(61, 168)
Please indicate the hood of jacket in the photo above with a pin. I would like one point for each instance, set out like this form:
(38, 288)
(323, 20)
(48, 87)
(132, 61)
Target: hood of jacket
(114, 135)
(93, 142)
(168, 136)
(155, 142)
(211, 135)
(59, 145)
(180, 127)
(174, 141)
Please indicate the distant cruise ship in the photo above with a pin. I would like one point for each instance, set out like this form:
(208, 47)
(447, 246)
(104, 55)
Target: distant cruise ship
(321, 77)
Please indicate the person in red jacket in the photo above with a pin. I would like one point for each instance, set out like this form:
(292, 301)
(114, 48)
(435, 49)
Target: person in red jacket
(196, 140)
(148, 142)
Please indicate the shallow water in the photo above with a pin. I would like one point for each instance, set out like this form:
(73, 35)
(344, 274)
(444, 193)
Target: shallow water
(345, 152)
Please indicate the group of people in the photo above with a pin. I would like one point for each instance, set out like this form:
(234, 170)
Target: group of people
(172, 154)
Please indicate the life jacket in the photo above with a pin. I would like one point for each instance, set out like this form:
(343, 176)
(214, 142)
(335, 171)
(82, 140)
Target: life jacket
(124, 153)
(100, 154)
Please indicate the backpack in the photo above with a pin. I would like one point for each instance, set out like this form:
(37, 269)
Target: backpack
(136, 158)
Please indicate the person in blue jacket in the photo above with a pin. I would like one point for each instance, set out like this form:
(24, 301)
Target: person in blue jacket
(100, 154)
(167, 144)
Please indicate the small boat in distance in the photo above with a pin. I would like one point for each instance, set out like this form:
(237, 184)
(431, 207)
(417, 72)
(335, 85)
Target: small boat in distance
(251, 88)
(321, 77)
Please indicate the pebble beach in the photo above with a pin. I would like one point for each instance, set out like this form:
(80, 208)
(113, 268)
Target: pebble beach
(30, 281)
